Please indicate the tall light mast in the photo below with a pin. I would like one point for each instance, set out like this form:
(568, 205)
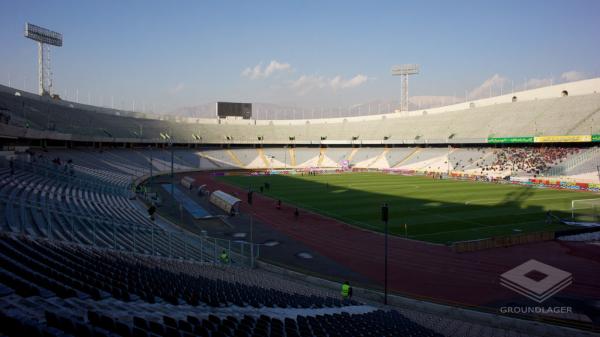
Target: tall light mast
(404, 70)
(45, 38)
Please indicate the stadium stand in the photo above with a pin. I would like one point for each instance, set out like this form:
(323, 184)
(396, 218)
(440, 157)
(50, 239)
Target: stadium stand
(579, 163)
(80, 258)
(42, 201)
(63, 289)
(536, 117)
(431, 159)
(396, 155)
(365, 156)
(338, 155)
(89, 288)
(306, 156)
(278, 157)
(122, 166)
(528, 160)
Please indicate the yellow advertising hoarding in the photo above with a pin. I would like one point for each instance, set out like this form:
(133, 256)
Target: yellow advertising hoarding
(563, 139)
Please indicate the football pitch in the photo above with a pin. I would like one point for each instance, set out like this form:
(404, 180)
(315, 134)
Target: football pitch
(421, 208)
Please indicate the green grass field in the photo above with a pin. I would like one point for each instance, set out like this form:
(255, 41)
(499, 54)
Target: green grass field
(440, 211)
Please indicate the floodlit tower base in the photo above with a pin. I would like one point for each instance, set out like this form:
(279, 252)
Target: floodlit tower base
(44, 78)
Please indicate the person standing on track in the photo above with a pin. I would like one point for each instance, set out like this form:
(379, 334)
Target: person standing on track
(151, 211)
(345, 290)
(224, 257)
(296, 213)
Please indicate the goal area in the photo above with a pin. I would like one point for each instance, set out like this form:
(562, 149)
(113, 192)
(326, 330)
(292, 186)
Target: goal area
(587, 210)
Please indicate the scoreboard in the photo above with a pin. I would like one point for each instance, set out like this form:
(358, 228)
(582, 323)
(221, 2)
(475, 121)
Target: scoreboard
(230, 109)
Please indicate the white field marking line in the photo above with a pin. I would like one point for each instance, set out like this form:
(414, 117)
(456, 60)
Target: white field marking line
(472, 229)
(318, 211)
(479, 223)
(459, 219)
(396, 187)
(487, 226)
(496, 200)
(518, 213)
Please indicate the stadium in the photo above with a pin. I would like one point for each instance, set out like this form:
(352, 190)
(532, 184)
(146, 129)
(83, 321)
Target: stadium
(475, 218)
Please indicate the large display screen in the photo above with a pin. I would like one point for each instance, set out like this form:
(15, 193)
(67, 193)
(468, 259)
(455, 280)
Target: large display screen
(229, 109)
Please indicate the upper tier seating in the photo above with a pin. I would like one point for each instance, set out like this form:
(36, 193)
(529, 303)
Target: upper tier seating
(570, 115)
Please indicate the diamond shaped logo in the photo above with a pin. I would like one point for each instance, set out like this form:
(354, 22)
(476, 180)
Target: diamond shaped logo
(535, 280)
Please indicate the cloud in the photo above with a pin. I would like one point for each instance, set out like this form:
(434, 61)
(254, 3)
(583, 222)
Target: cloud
(533, 83)
(258, 71)
(483, 90)
(275, 66)
(177, 88)
(337, 82)
(307, 83)
(253, 73)
(572, 75)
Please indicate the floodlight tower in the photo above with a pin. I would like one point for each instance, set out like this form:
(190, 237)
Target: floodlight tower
(45, 38)
(404, 70)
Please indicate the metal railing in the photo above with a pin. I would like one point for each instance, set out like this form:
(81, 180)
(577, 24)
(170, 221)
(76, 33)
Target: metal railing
(573, 162)
(67, 174)
(38, 221)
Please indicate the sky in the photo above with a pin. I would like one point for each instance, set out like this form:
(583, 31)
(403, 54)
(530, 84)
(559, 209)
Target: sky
(164, 55)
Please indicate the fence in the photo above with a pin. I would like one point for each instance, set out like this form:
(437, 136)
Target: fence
(573, 162)
(40, 220)
(66, 174)
(500, 241)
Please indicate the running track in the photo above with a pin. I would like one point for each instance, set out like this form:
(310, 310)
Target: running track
(421, 269)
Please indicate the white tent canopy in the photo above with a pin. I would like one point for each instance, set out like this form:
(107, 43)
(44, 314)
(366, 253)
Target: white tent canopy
(224, 201)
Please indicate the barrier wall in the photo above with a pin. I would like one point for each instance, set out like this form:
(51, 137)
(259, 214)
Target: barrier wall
(546, 183)
(501, 241)
(545, 139)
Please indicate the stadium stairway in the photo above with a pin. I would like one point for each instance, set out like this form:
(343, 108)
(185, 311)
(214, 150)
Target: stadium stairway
(408, 157)
(380, 161)
(352, 154)
(234, 158)
(261, 155)
(292, 151)
(321, 156)
(217, 163)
